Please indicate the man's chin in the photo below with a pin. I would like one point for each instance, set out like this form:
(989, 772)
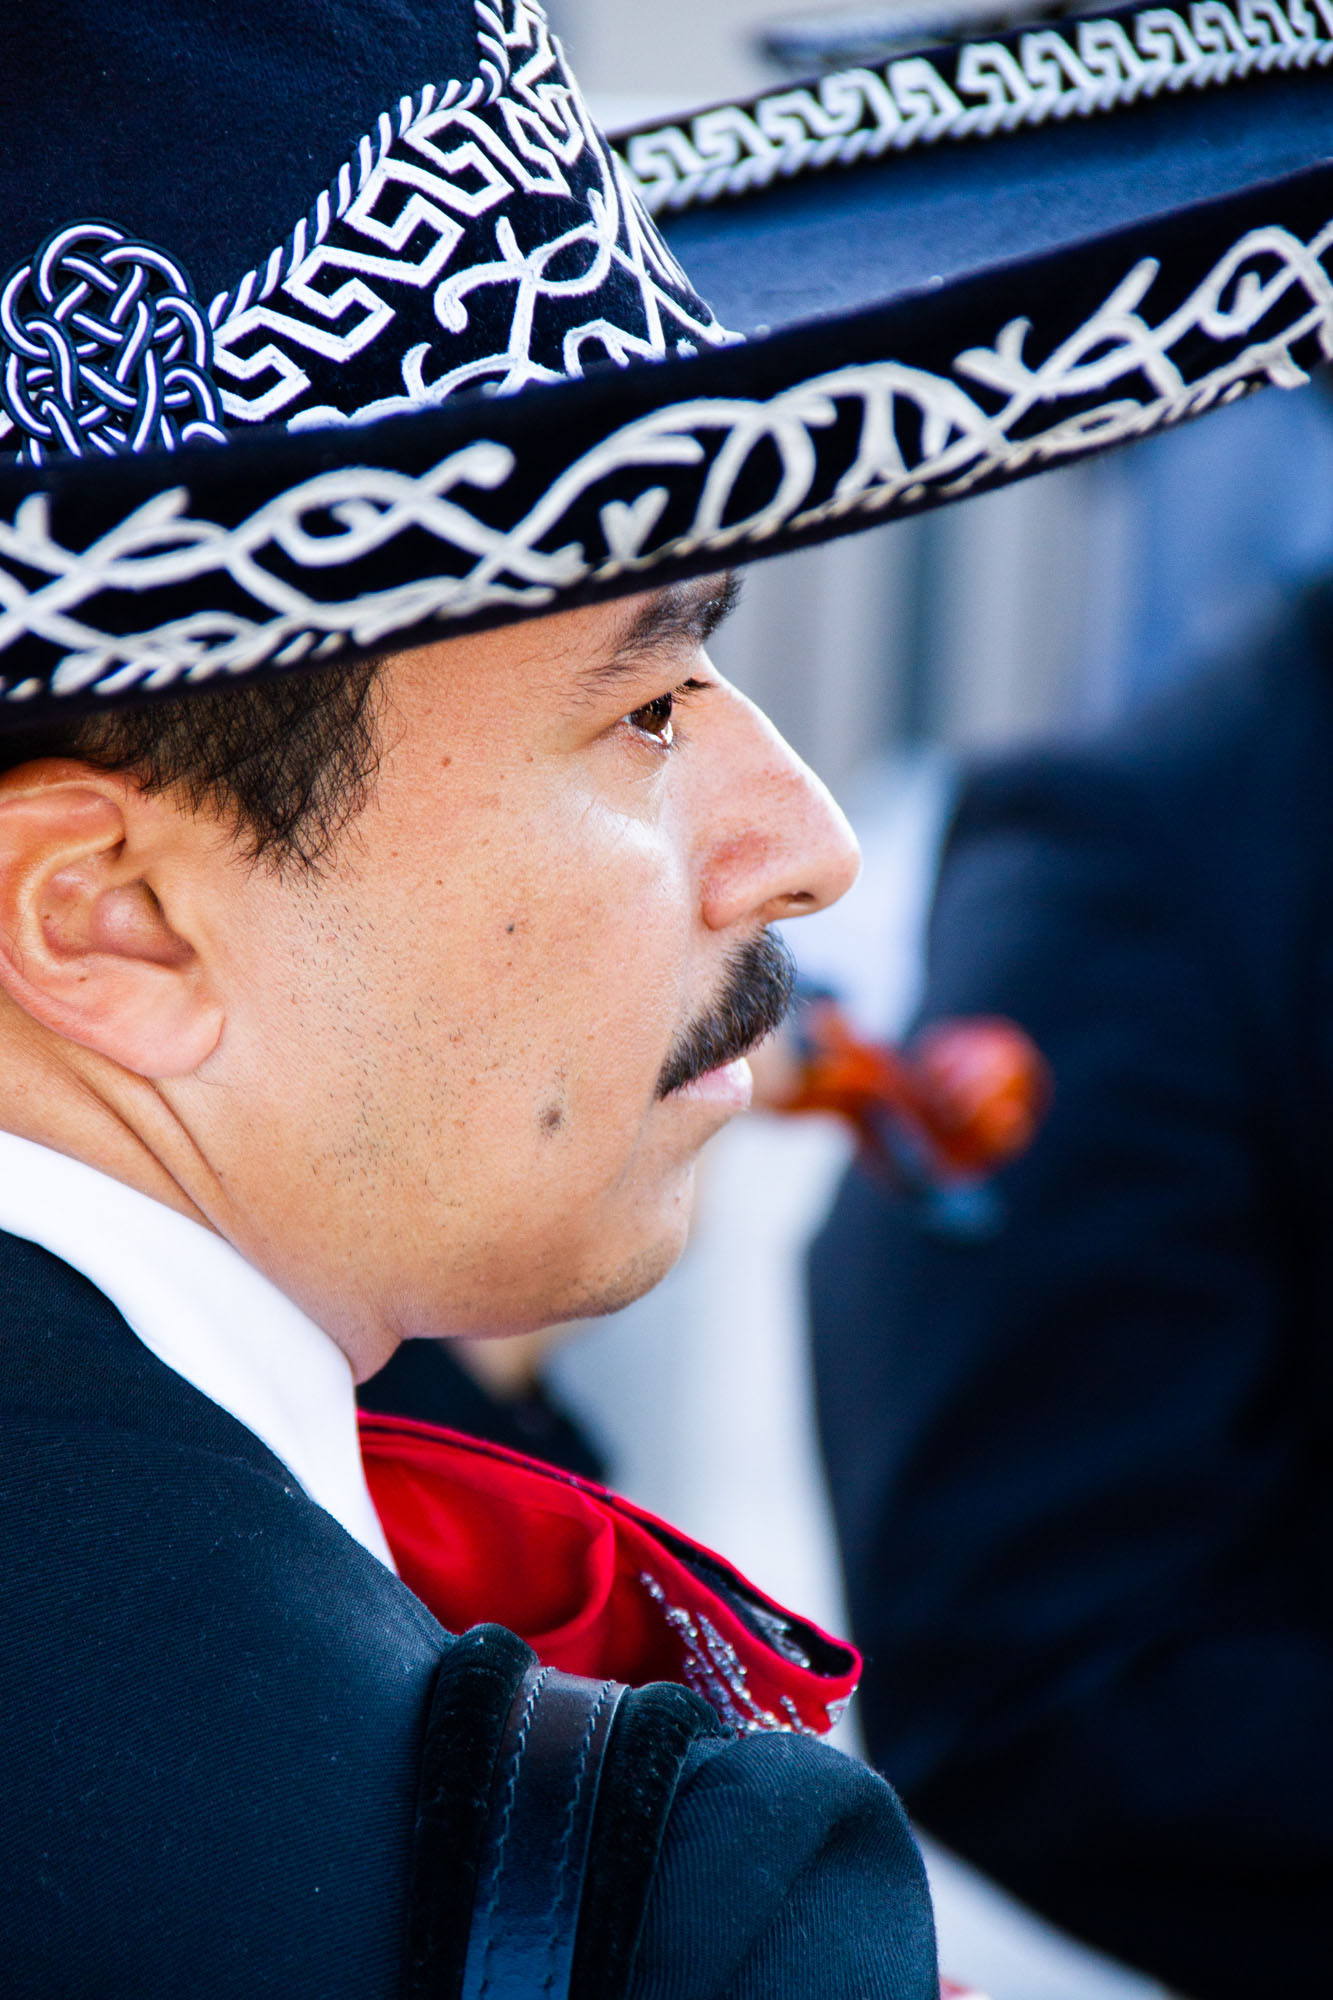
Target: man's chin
(583, 1271)
(625, 1271)
(631, 1281)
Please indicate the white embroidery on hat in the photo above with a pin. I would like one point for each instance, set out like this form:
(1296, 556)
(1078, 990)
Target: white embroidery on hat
(499, 199)
(105, 349)
(1057, 71)
(903, 436)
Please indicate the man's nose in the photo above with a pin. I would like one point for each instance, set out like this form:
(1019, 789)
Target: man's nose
(781, 845)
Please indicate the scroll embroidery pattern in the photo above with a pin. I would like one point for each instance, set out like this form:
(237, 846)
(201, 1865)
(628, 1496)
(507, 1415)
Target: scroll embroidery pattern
(1045, 74)
(904, 434)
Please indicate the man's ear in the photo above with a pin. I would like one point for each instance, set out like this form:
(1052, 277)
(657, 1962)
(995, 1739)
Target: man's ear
(88, 947)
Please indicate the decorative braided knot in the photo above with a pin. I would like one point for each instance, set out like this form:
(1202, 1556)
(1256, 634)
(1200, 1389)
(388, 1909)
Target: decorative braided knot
(105, 348)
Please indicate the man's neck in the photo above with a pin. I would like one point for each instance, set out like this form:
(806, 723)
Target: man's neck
(75, 1102)
(79, 1104)
(204, 1311)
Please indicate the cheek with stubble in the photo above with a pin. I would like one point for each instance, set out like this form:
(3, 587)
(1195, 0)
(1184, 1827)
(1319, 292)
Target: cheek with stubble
(597, 979)
(597, 1176)
(507, 1134)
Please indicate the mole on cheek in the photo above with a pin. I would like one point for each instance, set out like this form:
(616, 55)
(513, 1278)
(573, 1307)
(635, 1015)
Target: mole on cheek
(551, 1117)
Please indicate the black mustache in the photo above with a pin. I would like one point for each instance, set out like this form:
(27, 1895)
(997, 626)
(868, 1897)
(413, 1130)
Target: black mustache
(752, 1004)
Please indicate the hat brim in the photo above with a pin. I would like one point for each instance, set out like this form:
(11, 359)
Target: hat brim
(957, 311)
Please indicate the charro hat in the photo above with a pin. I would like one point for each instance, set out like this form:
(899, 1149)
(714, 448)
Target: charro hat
(331, 326)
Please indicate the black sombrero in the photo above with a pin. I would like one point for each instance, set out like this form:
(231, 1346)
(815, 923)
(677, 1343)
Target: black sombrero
(334, 327)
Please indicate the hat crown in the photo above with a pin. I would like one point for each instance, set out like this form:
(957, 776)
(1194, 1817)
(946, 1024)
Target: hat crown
(476, 229)
(206, 129)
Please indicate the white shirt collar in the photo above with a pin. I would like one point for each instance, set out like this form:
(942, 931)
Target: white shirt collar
(199, 1307)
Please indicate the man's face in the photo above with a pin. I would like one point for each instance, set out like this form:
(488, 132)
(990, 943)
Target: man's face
(441, 1100)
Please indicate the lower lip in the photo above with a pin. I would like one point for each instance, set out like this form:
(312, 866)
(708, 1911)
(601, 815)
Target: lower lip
(726, 1089)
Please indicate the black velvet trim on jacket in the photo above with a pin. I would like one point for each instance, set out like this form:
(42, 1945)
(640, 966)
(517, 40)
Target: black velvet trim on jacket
(653, 1731)
(473, 1691)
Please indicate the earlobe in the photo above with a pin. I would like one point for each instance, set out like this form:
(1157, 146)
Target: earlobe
(87, 948)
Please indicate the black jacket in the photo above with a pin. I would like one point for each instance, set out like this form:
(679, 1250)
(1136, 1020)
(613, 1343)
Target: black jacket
(215, 1724)
(1083, 1474)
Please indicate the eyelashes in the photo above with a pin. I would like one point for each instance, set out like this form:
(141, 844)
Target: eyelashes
(657, 718)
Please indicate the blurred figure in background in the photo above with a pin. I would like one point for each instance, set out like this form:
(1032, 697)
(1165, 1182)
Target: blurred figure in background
(490, 1389)
(1082, 1471)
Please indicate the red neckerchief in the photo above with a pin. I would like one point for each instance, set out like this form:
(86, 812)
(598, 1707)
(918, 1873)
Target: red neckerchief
(595, 1585)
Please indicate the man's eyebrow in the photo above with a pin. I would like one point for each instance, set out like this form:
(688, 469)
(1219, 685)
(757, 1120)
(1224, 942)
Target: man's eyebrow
(682, 612)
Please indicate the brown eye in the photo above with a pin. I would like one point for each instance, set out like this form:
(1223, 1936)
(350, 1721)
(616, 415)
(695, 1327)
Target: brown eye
(654, 718)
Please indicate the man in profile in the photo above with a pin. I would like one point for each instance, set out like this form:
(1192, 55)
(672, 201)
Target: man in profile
(352, 1002)
(335, 1012)
(357, 986)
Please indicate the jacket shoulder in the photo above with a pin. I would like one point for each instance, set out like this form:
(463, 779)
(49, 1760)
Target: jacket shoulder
(214, 1696)
(787, 1869)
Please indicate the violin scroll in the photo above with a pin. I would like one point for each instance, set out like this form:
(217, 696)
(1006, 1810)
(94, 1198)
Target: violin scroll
(937, 1118)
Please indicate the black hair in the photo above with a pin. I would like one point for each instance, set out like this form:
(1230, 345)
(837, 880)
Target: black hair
(287, 762)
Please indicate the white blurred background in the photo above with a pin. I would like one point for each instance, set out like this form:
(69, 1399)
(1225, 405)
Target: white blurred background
(884, 659)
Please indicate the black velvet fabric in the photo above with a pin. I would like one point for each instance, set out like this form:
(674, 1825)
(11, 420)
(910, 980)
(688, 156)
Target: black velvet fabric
(207, 129)
(211, 132)
(936, 217)
(241, 1760)
(473, 1693)
(214, 131)
(655, 1728)
(548, 427)
(1082, 1472)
